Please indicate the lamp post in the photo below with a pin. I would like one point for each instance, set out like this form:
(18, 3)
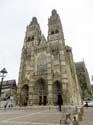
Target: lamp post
(3, 74)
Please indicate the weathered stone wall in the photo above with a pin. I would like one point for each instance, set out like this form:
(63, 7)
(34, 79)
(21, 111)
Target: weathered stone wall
(45, 74)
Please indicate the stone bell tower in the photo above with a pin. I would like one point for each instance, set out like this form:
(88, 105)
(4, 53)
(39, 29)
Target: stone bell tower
(55, 31)
(45, 74)
(26, 71)
(60, 60)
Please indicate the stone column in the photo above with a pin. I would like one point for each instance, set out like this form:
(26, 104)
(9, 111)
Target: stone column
(50, 94)
(31, 94)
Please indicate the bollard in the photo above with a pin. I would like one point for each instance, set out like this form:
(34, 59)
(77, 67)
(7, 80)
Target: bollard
(75, 121)
(49, 107)
(80, 116)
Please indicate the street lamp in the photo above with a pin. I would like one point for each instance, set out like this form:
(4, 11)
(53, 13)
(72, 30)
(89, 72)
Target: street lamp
(3, 74)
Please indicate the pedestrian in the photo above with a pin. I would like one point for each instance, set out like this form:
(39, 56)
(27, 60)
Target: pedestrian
(59, 102)
(75, 121)
(59, 107)
(11, 105)
(5, 106)
(86, 105)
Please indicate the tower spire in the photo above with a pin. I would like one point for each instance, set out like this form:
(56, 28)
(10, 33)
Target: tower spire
(55, 26)
(33, 33)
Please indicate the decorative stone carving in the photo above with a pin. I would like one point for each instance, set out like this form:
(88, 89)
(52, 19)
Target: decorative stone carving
(44, 63)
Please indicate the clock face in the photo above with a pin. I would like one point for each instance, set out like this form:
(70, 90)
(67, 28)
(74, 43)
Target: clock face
(42, 64)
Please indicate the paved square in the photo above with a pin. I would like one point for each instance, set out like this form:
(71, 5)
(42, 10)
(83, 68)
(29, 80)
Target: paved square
(31, 117)
(42, 116)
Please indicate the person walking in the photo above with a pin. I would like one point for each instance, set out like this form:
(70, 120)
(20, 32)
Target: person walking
(59, 102)
(86, 105)
(5, 106)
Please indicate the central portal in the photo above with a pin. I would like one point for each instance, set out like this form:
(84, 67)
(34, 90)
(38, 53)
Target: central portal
(57, 93)
(40, 92)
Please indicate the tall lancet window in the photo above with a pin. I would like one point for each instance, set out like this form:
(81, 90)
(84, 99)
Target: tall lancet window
(42, 64)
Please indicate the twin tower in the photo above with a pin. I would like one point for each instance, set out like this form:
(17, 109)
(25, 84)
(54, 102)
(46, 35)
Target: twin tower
(47, 71)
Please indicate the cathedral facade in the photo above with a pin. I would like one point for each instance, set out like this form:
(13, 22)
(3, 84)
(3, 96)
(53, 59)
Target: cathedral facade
(47, 71)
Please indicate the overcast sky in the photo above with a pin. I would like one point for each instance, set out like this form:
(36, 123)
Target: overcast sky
(76, 17)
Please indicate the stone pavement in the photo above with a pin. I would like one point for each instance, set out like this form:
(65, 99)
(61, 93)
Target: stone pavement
(87, 117)
(33, 116)
(42, 116)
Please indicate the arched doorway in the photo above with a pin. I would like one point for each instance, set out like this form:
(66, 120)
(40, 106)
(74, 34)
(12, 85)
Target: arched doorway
(24, 95)
(57, 92)
(40, 92)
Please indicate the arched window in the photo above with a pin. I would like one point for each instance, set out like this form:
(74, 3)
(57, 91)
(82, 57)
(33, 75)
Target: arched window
(32, 38)
(42, 64)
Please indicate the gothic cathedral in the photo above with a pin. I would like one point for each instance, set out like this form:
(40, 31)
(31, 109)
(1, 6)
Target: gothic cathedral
(47, 71)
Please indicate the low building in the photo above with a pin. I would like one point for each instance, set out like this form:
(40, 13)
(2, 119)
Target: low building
(8, 90)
